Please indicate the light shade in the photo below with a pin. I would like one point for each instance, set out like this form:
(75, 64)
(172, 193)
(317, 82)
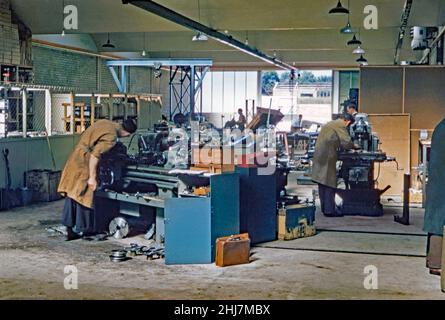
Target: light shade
(354, 41)
(347, 28)
(200, 37)
(339, 9)
(362, 60)
(108, 44)
(358, 50)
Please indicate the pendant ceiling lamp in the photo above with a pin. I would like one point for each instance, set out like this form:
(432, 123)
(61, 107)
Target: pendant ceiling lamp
(108, 44)
(339, 9)
(358, 50)
(354, 41)
(362, 60)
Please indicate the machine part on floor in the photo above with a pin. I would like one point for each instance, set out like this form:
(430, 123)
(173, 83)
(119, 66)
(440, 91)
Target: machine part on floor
(126, 226)
(404, 219)
(60, 229)
(118, 256)
(357, 171)
(136, 250)
(155, 253)
(96, 237)
(150, 232)
(119, 228)
(152, 252)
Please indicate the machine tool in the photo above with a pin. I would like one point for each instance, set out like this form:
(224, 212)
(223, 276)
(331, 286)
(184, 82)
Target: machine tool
(140, 185)
(360, 197)
(136, 185)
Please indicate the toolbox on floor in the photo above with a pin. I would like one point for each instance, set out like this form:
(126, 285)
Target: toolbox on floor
(44, 184)
(296, 221)
(232, 250)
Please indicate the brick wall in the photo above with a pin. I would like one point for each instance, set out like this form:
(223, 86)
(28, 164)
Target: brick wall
(61, 68)
(87, 73)
(9, 36)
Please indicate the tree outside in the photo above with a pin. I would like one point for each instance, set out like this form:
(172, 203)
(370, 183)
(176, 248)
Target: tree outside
(268, 81)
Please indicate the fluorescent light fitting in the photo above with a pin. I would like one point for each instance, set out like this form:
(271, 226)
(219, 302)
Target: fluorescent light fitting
(200, 37)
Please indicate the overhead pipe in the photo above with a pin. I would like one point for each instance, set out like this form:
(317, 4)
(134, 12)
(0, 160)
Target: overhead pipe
(402, 30)
(175, 17)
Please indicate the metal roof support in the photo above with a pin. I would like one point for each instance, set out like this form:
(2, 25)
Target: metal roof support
(190, 71)
(186, 92)
(175, 17)
(116, 79)
(403, 25)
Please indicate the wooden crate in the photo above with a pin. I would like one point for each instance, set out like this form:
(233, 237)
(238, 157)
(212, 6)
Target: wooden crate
(296, 221)
(212, 159)
(44, 184)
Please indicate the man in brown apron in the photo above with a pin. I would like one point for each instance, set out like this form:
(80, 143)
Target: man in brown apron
(332, 136)
(79, 180)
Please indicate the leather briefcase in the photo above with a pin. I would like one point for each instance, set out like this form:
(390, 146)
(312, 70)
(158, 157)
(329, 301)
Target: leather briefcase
(232, 250)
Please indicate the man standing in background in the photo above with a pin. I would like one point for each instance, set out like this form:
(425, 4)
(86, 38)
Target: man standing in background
(332, 136)
(297, 125)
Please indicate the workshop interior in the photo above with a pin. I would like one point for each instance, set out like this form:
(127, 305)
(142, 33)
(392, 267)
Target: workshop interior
(203, 149)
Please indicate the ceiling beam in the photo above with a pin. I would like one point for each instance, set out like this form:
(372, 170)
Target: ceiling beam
(175, 17)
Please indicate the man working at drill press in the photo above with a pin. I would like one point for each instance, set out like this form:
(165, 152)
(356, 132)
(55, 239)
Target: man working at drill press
(79, 180)
(332, 136)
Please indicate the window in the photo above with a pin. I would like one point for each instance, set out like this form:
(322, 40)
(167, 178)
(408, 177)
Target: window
(226, 91)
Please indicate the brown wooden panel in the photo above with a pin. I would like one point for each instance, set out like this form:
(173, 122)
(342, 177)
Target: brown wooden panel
(381, 90)
(394, 134)
(425, 96)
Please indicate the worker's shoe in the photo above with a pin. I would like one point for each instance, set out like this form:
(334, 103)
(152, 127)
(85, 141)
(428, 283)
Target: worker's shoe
(333, 215)
(71, 235)
(436, 272)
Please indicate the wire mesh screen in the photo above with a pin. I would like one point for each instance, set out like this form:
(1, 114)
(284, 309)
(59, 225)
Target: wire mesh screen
(60, 113)
(36, 106)
(37, 111)
(22, 113)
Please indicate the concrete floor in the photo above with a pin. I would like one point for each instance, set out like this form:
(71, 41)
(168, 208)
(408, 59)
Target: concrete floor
(32, 266)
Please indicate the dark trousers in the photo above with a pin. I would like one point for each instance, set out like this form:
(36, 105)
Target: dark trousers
(78, 216)
(327, 199)
(434, 251)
